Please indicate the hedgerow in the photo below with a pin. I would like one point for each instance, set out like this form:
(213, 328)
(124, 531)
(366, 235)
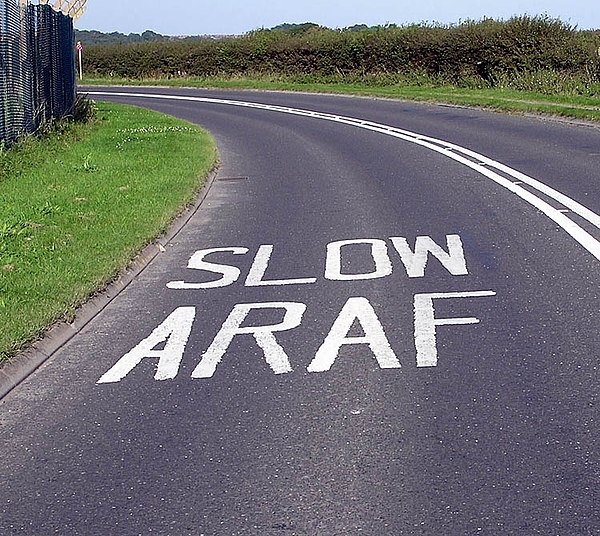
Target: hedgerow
(527, 50)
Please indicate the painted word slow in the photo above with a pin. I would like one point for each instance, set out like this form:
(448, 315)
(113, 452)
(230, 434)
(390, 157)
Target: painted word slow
(414, 262)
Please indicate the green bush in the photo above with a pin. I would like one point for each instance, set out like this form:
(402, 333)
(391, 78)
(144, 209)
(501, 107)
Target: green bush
(535, 52)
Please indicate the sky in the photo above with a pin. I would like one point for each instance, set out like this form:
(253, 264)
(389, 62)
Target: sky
(225, 17)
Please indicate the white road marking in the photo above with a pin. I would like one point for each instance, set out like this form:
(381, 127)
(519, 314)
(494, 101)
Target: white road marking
(447, 149)
(374, 336)
(259, 267)
(230, 274)
(415, 262)
(454, 261)
(274, 353)
(425, 323)
(333, 264)
(174, 332)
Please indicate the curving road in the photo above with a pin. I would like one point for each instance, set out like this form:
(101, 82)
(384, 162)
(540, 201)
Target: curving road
(382, 320)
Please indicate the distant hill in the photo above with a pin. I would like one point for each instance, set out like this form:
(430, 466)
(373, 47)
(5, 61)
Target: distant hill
(94, 37)
(305, 27)
(296, 29)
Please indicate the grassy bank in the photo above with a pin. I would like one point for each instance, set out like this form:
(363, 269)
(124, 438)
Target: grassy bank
(77, 206)
(504, 99)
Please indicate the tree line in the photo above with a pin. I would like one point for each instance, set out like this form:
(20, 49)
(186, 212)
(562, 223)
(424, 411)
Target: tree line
(487, 50)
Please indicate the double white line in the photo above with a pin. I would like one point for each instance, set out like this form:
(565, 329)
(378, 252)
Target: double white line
(510, 179)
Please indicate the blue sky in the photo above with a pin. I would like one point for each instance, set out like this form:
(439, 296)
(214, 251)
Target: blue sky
(197, 17)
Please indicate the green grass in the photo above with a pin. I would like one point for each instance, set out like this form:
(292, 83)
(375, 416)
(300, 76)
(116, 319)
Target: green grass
(508, 100)
(78, 205)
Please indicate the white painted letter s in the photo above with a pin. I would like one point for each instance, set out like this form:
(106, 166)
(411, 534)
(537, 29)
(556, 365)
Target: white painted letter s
(230, 274)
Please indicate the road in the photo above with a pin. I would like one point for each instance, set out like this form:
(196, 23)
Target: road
(365, 329)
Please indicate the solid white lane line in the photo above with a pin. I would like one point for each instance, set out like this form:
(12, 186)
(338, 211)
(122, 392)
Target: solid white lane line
(450, 150)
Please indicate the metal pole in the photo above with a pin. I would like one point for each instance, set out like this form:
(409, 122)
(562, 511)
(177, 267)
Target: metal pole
(22, 72)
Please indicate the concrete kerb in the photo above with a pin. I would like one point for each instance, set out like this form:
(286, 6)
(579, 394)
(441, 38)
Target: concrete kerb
(18, 368)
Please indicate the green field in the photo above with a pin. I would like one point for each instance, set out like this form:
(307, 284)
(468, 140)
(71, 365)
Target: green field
(79, 204)
(508, 100)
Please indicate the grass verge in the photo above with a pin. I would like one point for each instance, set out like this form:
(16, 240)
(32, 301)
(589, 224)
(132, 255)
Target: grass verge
(79, 204)
(507, 100)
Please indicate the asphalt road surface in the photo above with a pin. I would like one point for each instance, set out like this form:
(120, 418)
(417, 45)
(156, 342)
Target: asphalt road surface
(363, 330)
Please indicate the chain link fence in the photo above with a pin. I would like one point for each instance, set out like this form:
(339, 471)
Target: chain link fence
(37, 67)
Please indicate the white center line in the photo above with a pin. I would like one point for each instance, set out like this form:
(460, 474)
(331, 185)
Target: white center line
(450, 150)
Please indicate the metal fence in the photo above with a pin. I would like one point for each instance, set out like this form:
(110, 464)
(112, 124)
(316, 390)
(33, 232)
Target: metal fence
(37, 67)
